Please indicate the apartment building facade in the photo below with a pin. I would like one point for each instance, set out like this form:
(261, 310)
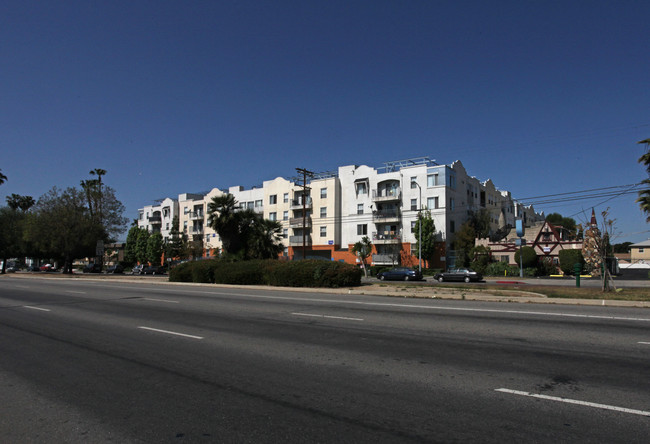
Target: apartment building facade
(158, 218)
(328, 213)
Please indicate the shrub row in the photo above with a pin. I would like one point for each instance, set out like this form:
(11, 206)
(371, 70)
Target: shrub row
(307, 273)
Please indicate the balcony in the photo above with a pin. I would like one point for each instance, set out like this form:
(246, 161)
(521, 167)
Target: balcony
(196, 215)
(386, 238)
(297, 204)
(296, 241)
(387, 195)
(386, 216)
(196, 230)
(385, 259)
(155, 220)
(296, 222)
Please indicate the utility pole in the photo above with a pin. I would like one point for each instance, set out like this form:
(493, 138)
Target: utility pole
(305, 174)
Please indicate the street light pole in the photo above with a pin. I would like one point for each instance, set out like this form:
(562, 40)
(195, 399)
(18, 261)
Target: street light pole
(419, 228)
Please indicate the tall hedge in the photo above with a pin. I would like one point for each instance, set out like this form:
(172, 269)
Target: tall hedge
(307, 273)
(570, 257)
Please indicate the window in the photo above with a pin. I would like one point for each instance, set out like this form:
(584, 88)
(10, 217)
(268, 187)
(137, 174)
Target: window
(167, 226)
(273, 216)
(273, 199)
(323, 212)
(452, 181)
(413, 182)
(432, 202)
(432, 180)
(641, 250)
(452, 203)
(141, 216)
(413, 225)
(323, 193)
(323, 231)
(285, 233)
(452, 226)
(414, 204)
(186, 210)
(258, 203)
(362, 230)
(361, 188)
(360, 209)
(285, 215)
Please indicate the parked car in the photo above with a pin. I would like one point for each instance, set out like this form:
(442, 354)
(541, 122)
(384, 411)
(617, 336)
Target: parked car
(115, 269)
(92, 268)
(459, 274)
(138, 269)
(400, 274)
(47, 267)
(154, 270)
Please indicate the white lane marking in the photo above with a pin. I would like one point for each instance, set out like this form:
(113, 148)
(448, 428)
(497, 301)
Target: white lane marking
(386, 304)
(171, 332)
(161, 300)
(75, 292)
(575, 401)
(36, 308)
(327, 317)
(646, 343)
(21, 286)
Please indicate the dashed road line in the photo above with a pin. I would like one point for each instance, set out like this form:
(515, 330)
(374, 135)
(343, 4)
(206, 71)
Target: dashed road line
(327, 317)
(575, 401)
(171, 332)
(36, 308)
(161, 300)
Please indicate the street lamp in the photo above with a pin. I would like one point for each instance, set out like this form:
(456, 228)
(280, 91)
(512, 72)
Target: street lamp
(419, 227)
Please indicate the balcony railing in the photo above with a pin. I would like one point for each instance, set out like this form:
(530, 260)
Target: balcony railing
(297, 222)
(196, 215)
(385, 259)
(386, 238)
(386, 215)
(296, 241)
(386, 194)
(155, 219)
(297, 204)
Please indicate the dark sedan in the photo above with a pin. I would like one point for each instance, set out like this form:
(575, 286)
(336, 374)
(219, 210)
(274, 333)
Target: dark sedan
(400, 274)
(152, 269)
(459, 274)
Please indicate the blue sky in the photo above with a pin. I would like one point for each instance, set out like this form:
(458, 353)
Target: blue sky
(542, 97)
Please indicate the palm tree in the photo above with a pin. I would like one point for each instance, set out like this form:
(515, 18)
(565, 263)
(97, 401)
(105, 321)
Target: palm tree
(223, 219)
(644, 195)
(3, 178)
(265, 239)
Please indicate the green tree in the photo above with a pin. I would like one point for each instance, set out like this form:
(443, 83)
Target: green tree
(363, 249)
(223, 219)
(644, 195)
(243, 233)
(480, 221)
(141, 245)
(131, 241)
(3, 178)
(176, 245)
(529, 257)
(465, 240)
(622, 247)
(480, 258)
(265, 239)
(155, 248)
(566, 225)
(428, 246)
(61, 227)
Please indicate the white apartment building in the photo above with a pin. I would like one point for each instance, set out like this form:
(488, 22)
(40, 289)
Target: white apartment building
(158, 218)
(331, 212)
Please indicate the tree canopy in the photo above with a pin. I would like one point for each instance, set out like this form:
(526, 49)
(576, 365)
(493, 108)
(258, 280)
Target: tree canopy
(243, 232)
(425, 221)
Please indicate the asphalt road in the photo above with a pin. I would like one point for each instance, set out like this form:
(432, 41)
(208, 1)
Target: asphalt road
(92, 361)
